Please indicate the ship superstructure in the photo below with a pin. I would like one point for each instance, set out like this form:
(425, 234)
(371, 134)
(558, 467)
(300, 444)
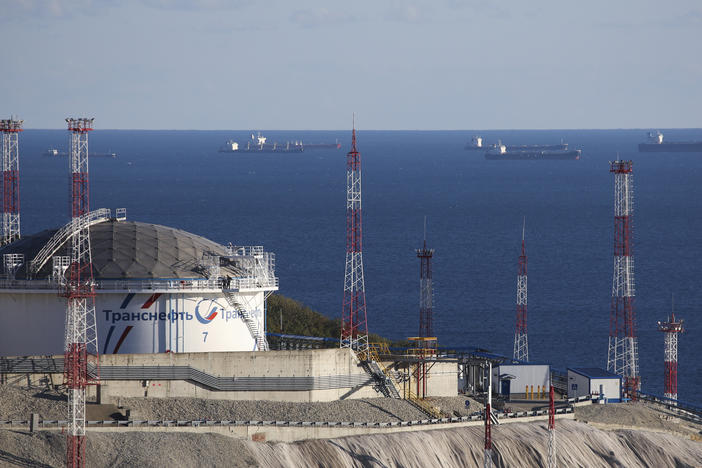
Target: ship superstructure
(655, 143)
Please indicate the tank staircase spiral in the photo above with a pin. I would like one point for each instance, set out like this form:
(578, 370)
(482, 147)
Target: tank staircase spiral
(249, 320)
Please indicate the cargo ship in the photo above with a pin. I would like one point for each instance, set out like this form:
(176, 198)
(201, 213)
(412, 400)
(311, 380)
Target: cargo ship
(55, 152)
(500, 152)
(260, 144)
(476, 143)
(655, 144)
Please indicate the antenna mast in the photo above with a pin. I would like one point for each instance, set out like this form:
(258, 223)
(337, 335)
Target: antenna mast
(487, 452)
(521, 342)
(551, 429)
(426, 292)
(622, 356)
(80, 353)
(354, 325)
(671, 329)
(10, 129)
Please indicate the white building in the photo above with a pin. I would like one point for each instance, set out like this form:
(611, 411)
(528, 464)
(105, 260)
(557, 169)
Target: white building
(513, 379)
(594, 381)
(158, 289)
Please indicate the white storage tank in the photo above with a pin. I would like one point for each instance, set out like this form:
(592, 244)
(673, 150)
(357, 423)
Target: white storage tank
(158, 289)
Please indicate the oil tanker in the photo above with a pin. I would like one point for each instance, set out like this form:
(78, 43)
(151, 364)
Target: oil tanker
(655, 143)
(55, 152)
(499, 153)
(259, 144)
(476, 143)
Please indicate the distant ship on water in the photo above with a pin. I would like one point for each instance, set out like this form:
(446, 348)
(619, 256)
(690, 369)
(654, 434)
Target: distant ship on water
(260, 144)
(499, 152)
(476, 143)
(56, 152)
(655, 143)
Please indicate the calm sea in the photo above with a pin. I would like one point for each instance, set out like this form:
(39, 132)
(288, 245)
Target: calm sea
(294, 205)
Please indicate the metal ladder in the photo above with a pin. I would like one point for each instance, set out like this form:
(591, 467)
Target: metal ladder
(250, 321)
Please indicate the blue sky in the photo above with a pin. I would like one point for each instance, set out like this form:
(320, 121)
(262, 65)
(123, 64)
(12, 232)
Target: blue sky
(416, 64)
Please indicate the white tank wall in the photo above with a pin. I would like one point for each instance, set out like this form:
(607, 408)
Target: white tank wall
(32, 323)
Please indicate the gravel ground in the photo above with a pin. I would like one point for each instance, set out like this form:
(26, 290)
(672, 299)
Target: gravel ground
(456, 406)
(47, 449)
(366, 410)
(19, 403)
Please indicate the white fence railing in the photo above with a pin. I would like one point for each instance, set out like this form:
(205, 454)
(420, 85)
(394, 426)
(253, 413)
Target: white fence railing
(169, 285)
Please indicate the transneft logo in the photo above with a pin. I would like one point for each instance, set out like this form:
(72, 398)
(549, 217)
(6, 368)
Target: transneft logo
(210, 317)
(211, 309)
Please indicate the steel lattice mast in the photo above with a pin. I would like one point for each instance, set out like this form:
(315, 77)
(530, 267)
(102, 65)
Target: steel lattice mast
(487, 453)
(426, 292)
(671, 328)
(622, 357)
(81, 336)
(551, 429)
(521, 342)
(10, 129)
(354, 328)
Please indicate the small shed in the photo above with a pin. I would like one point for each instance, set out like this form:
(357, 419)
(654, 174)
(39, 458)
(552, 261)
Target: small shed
(599, 383)
(512, 380)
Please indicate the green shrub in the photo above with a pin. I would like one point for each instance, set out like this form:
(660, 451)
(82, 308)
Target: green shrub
(298, 319)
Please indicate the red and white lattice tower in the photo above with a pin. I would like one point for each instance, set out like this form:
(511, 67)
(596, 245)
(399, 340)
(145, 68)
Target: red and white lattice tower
(10, 129)
(551, 430)
(80, 352)
(622, 356)
(487, 454)
(426, 292)
(671, 328)
(521, 342)
(354, 327)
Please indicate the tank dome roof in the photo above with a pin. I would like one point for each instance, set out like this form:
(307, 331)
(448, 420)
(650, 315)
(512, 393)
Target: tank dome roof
(129, 249)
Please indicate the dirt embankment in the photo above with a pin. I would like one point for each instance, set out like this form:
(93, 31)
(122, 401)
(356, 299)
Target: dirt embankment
(519, 444)
(661, 438)
(639, 415)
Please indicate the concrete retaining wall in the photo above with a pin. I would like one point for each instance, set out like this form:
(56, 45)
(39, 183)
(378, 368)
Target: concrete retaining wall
(271, 364)
(294, 376)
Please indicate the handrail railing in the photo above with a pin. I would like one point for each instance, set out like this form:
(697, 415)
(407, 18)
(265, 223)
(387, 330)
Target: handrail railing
(65, 233)
(423, 404)
(682, 405)
(164, 284)
(204, 424)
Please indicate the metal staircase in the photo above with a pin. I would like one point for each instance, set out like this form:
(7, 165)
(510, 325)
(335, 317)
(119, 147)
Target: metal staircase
(383, 377)
(422, 405)
(383, 383)
(387, 381)
(249, 319)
